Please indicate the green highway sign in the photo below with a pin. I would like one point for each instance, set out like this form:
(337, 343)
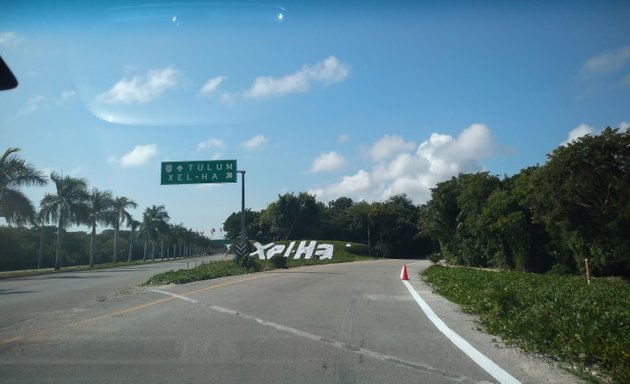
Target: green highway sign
(198, 172)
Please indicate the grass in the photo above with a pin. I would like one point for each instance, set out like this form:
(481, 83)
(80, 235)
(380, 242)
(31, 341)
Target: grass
(587, 326)
(341, 254)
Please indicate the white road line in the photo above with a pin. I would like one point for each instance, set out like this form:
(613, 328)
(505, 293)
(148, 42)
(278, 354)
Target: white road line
(345, 346)
(485, 363)
(175, 295)
(334, 343)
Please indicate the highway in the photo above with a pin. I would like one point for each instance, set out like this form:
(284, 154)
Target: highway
(337, 323)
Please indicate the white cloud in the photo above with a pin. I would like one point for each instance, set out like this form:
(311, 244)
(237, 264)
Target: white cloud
(608, 62)
(210, 143)
(343, 138)
(624, 125)
(329, 71)
(10, 39)
(255, 142)
(388, 146)
(577, 132)
(415, 170)
(327, 162)
(35, 103)
(211, 85)
(67, 94)
(139, 155)
(141, 88)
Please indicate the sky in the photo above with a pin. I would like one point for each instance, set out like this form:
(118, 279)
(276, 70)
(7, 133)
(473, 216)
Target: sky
(364, 99)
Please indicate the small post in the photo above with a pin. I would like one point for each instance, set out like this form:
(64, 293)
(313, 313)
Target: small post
(243, 234)
(588, 271)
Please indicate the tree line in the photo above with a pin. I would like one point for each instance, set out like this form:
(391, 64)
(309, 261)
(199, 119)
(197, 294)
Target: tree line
(388, 227)
(73, 203)
(545, 218)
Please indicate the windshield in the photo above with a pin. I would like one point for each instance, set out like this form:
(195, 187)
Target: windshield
(154, 151)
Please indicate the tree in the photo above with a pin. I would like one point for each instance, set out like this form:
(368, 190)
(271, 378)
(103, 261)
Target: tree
(99, 210)
(581, 197)
(121, 216)
(133, 225)
(439, 218)
(154, 222)
(293, 217)
(15, 207)
(67, 206)
(232, 225)
(394, 222)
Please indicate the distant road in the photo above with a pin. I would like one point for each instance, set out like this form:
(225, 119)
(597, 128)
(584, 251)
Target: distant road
(336, 323)
(25, 297)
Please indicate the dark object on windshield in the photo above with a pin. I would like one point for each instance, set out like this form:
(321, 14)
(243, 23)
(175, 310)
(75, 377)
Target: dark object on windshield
(7, 79)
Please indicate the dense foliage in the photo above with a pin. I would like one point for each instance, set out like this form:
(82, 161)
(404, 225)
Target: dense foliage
(574, 207)
(560, 316)
(388, 227)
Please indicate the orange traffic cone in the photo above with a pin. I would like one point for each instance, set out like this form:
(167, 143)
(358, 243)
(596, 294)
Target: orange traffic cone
(403, 273)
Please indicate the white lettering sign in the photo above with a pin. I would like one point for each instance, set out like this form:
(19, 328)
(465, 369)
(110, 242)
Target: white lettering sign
(305, 248)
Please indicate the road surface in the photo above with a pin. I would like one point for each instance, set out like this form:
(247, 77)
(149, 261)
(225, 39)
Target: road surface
(338, 323)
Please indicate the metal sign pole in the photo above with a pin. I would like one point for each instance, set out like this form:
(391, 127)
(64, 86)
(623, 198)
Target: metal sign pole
(243, 233)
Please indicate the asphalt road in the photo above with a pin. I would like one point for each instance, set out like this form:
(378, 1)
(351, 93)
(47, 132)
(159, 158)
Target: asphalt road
(340, 323)
(27, 297)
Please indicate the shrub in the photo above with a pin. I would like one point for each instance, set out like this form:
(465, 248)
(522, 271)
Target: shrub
(560, 316)
(279, 261)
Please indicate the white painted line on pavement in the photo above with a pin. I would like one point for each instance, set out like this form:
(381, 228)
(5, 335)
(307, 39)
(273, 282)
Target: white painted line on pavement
(334, 343)
(485, 363)
(345, 346)
(175, 295)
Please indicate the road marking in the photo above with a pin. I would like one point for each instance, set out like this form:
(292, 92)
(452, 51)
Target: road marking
(485, 363)
(228, 283)
(121, 312)
(334, 343)
(159, 301)
(175, 295)
(346, 346)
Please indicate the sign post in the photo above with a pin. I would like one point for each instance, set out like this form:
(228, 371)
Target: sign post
(243, 230)
(207, 172)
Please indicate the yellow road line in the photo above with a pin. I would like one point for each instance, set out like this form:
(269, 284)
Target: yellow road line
(121, 312)
(17, 339)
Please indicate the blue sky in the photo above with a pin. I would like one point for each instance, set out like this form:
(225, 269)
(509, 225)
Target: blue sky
(364, 99)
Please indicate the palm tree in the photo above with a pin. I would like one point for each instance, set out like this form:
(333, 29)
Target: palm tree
(15, 207)
(154, 222)
(66, 207)
(99, 205)
(40, 223)
(133, 225)
(121, 204)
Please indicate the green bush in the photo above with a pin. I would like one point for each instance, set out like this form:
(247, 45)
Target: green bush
(279, 261)
(561, 316)
(202, 272)
(435, 257)
(248, 262)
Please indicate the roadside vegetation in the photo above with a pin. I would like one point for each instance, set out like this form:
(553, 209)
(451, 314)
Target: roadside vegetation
(38, 238)
(562, 317)
(549, 217)
(249, 264)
